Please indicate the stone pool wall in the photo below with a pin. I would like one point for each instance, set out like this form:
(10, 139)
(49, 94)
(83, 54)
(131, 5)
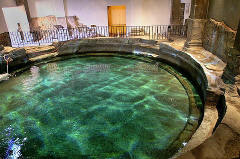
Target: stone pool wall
(201, 72)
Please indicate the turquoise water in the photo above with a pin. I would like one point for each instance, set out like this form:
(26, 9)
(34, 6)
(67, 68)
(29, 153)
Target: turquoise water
(92, 107)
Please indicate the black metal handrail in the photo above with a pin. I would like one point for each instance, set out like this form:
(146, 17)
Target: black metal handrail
(44, 37)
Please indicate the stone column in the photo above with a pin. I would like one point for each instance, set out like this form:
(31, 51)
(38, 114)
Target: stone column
(25, 3)
(69, 26)
(196, 22)
(177, 13)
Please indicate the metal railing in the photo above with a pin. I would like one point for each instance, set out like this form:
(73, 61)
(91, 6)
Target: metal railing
(47, 37)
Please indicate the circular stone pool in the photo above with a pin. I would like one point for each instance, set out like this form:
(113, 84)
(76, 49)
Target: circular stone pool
(97, 107)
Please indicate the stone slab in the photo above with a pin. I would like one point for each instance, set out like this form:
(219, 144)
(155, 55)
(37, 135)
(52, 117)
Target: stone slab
(4, 77)
(43, 57)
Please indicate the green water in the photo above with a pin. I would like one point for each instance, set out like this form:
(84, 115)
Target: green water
(93, 107)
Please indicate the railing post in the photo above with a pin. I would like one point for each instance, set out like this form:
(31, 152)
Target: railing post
(149, 32)
(38, 38)
(156, 32)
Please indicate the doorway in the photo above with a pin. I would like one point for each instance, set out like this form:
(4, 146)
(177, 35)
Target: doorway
(117, 20)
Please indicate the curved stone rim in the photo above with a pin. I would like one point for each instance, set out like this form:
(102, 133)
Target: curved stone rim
(176, 57)
(189, 127)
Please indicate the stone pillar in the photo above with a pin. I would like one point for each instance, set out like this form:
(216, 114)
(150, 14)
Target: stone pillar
(237, 39)
(177, 13)
(196, 22)
(25, 3)
(69, 26)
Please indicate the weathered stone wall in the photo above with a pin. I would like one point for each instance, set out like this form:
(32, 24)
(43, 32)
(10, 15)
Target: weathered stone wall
(177, 15)
(237, 40)
(199, 9)
(227, 11)
(18, 58)
(5, 39)
(48, 22)
(218, 38)
(233, 62)
(43, 23)
(73, 21)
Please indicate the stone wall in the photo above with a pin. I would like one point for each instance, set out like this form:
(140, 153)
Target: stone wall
(5, 39)
(233, 63)
(73, 21)
(199, 9)
(227, 11)
(218, 38)
(43, 23)
(18, 58)
(177, 16)
(48, 22)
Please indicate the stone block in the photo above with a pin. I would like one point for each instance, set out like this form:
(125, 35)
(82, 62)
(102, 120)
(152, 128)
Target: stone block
(70, 47)
(18, 57)
(218, 38)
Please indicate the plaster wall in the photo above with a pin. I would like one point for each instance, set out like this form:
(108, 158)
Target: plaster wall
(94, 12)
(4, 4)
(42, 8)
(227, 11)
(14, 15)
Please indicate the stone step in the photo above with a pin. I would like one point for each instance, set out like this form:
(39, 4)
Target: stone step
(194, 43)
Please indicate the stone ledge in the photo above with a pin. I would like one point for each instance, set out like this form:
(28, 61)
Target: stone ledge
(43, 57)
(18, 57)
(207, 61)
(4, 77)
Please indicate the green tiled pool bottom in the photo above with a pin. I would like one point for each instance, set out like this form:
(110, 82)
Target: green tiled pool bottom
(97, 107)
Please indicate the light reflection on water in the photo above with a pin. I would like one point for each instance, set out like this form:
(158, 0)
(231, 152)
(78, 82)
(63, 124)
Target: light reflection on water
(72, 108)
(13, 148)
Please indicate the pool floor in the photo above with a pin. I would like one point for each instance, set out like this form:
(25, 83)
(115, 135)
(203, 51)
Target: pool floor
(93, 107)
